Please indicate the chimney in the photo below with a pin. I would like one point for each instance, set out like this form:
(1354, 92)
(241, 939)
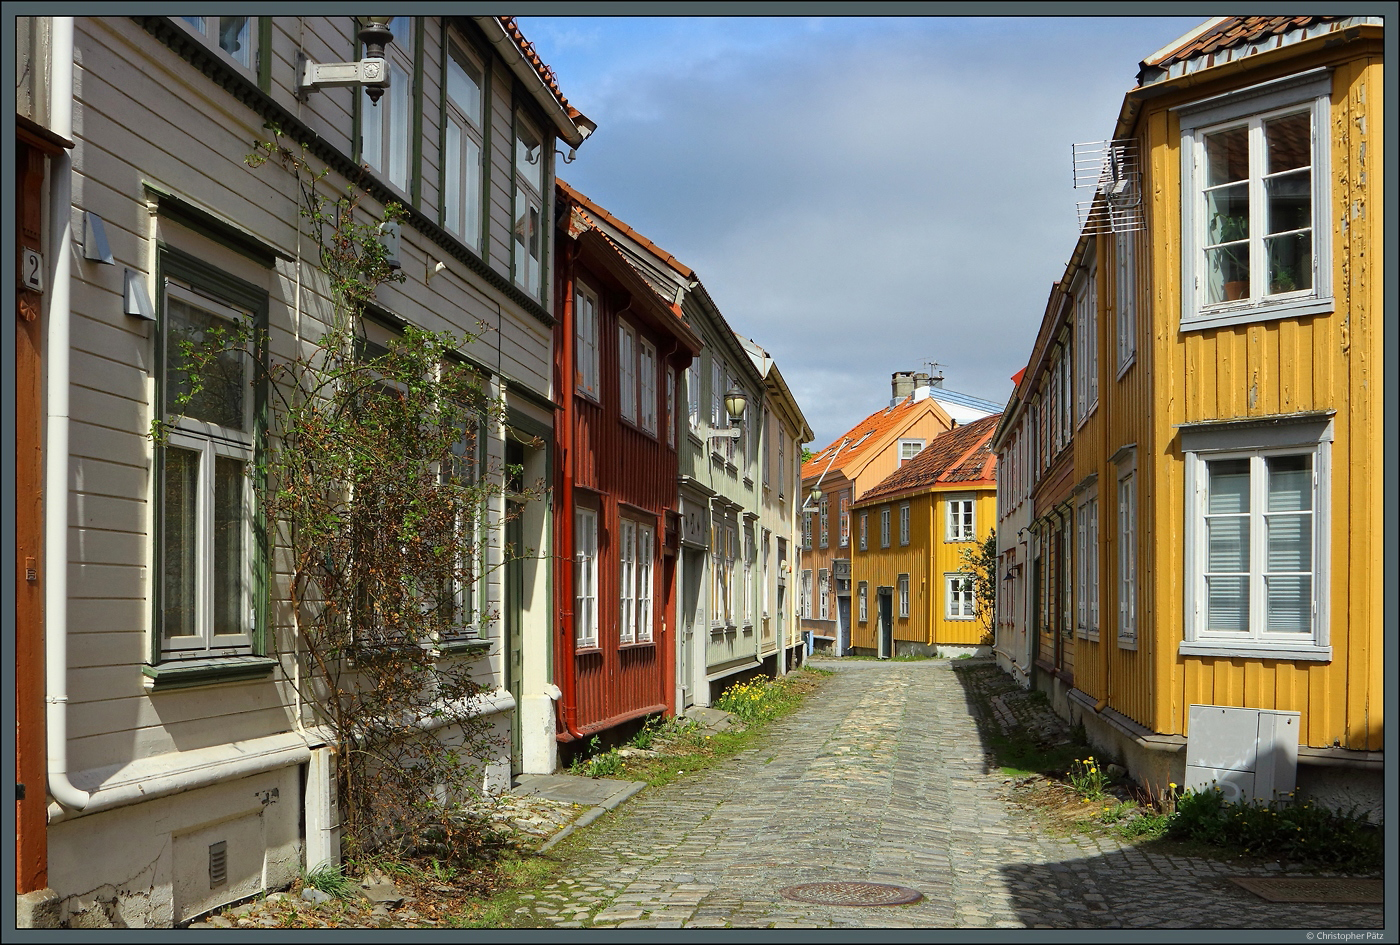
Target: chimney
(901, 386)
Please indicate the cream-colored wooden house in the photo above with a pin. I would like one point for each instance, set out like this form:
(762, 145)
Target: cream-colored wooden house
(183, 772)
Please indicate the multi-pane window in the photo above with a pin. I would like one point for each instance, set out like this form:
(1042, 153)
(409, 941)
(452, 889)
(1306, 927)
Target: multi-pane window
(746, 588)
(903, 583)
(908, 449)
(671, 405)
(646, 385)
(823, 523)
(961, 523)
(384, 135)
(731, 555)
(885, 527)
(646, 555)
(823, 594)
(586, 342)
(807, 529)
(1086, 336)
(719, 573)
(692, 394)
(719, 417)
(864, 530)
(235, 35)
(958, 589)
(766, 446)
(1256, 551)
(1086, 560)
(627, 372)
(461, 156)
(469, 461)
(844, 519)
(807, 594)
(904, 524)
(1125, 258)
(862, 602)
(1256, 184)
(1127, 557)
(782, 466)
(207, 548)
(529, 230)
(636, 551)
(585, 578)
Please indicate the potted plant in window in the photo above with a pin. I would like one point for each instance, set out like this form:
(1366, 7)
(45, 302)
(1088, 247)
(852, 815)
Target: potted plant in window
(1231, 262)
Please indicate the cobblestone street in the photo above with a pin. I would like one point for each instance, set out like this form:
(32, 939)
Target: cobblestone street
(881, 778)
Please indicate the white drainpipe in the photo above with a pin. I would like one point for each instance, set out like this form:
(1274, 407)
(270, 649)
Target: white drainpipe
(56, 356)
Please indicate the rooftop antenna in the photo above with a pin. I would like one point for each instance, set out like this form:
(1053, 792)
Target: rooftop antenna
(935, 377)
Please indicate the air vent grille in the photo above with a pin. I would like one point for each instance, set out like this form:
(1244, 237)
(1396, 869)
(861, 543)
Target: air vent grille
(218, 864)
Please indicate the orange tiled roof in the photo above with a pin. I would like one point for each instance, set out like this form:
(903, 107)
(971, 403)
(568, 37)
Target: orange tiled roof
(861, 439)
(963, 455)
(527, 49)
(1237, 31)
(595, 208)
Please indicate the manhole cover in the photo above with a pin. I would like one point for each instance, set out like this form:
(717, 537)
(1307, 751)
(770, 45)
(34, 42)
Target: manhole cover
(1288, 889)
(852, 894)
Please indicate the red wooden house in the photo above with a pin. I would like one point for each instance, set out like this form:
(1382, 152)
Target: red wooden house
(619, 350)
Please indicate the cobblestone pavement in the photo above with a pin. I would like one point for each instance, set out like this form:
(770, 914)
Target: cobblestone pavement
(880, 777)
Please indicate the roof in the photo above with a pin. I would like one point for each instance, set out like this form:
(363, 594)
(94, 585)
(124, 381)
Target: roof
(962, 456)
(573, 126)
(863, 439)
(1235, 37)
(599, 211)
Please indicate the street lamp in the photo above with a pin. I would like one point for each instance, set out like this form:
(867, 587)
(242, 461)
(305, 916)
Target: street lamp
(735, 403)
(370, 73)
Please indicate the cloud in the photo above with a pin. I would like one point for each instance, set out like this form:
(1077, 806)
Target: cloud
(858, 194)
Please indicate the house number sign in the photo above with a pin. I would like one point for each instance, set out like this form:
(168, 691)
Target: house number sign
(31, 271)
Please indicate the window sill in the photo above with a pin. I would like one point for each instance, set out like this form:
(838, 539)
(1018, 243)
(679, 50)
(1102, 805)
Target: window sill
(1259, 312)
(1264, 651)
(472, 647)
(637, 645)
(1126, 365)
(185, 674)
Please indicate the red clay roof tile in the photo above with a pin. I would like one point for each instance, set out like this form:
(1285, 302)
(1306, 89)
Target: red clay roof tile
(962, 455)
(860, 439)
(1237, 30)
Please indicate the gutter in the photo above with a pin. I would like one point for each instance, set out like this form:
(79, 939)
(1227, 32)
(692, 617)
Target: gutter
(56, 360)
(573, 128)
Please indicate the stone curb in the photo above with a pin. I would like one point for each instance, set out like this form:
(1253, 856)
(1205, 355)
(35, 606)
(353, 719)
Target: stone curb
(593, 813)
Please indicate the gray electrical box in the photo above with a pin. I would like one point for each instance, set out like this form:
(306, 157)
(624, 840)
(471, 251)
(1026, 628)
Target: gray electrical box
(1247, 753)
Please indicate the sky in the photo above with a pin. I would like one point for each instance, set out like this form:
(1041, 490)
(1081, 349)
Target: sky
(859, 195)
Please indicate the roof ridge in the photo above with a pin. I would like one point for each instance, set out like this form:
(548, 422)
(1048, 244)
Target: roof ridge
(666, 257)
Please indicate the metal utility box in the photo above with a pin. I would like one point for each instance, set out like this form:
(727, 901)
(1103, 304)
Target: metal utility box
(1247, 753)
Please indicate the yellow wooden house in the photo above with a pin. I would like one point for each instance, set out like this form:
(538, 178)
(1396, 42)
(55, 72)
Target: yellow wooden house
(1216, 537)
(913, 588)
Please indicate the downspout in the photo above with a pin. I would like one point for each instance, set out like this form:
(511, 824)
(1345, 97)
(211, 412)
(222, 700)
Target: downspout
(568, 684)
(56, 442)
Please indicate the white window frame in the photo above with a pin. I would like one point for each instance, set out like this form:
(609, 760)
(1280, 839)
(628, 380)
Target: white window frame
(961, 601)
(719, 417)
(843, 519)
(671, 425)
(903, 585)
(1204, 443)
(1127, 550)
(208, 29)
(586, 342)
(692, 396)
(585, 578)
(627, 372)
(909, 448)
(766, 446)
(530, 231)
(807, 529)
(1086, 560)
(904, 523)
(823, 522)
(864, 531)
(1086, 334)
(646, 559)
(626, 581)
(960, 518)
(885, 527)
(385, 124)
(863, 602)
(1309, 91)
(462, 146)
(823, 594)
(646, 385)
(746, 605)
(807, 594)
(1125, 289)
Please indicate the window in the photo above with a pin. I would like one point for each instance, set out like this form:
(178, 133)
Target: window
(466, 470)
(529, 236)
(958, 592)
(719, 418)
(1086, 336)
(1086, 559)
(746, 588)
(692, 394)
(208, 552)
(646, 554)
(864, 522)
(908, 449)
(235, 35)
(904, 524)
(903, 583)
(767, 548)
(384, 134)
(636, 542)
(724, 594)
(885, 527)
(782, 466)
(1256, 540)
(671, 405)
(961, 524)
(824, 594)
(807, 594)
(844, 519)
(1255, 179)
(807, 529)
(863, 602)
(461, 157)
(822, 522)
(585, 578)
(1125, 285)
(627, 373)
(646, 385)
(586, 342)
(766, 445)
(1127, 555)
